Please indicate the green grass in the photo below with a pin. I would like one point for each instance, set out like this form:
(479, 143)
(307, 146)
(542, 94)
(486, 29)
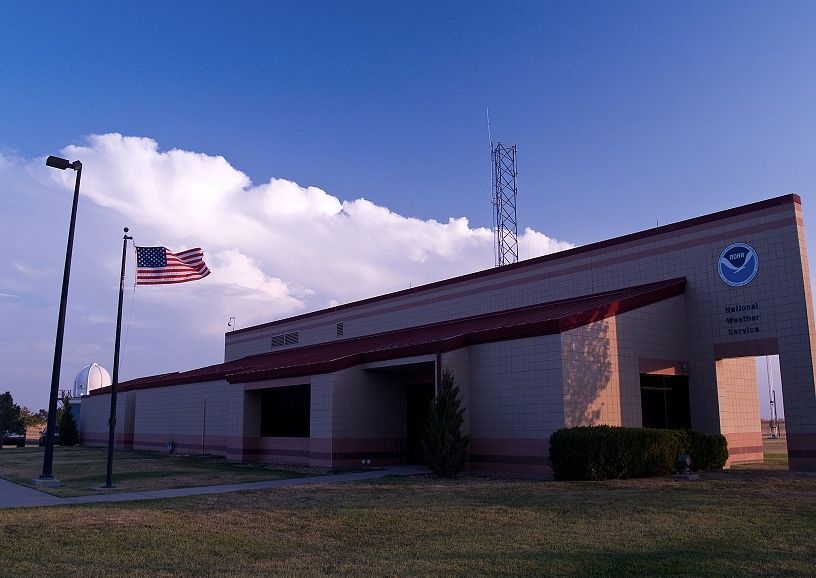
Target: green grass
(729, 523)
(746, 521)
(775, 454)
(82, 471)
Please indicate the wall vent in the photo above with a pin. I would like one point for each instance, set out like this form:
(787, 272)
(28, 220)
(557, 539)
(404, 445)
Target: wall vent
(283, 339)
(339, 329)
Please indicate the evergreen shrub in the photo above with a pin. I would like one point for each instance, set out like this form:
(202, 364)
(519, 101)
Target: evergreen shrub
(69, 433)
(446, 449)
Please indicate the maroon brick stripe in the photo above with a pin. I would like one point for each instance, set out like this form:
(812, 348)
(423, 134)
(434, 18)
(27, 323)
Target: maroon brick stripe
(745, 450)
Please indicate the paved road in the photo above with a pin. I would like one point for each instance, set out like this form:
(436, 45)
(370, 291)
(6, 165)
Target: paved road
(16, 496)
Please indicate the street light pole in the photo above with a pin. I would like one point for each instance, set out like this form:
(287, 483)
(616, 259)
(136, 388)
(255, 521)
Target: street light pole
(48, 459)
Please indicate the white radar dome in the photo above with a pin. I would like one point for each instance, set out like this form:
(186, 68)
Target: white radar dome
(90, 377)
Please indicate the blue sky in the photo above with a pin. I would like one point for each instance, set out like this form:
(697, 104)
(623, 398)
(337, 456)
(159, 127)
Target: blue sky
(625, 114)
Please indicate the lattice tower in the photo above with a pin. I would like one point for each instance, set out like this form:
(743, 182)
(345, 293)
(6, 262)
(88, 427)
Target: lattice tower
(505, 171)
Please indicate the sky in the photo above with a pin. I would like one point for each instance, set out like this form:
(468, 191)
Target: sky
(326, 152)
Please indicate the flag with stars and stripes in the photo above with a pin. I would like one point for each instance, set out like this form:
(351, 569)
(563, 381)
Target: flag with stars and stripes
(159, 266)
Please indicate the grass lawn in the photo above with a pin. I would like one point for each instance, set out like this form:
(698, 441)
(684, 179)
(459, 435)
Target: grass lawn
(82, 470)
(746, 521)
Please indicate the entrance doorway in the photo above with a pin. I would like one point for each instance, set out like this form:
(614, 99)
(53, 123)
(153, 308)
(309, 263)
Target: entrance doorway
(410, 382)
(418, 406)
(664, 401)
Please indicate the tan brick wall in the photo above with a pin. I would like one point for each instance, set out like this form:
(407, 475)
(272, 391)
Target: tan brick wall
(194, 416)
(516, 388)
(93, 427)
(367, 405)
(738, 395)
(591, 376)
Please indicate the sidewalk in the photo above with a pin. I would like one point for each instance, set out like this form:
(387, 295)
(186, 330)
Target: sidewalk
(16, 496)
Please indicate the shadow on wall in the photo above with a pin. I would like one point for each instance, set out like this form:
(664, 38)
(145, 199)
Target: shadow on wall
(587, 374)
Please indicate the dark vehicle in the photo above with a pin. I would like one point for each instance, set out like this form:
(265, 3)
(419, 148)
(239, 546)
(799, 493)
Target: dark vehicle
(15, 439)
(44, 433)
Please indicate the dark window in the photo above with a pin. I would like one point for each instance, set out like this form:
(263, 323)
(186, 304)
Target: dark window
(285, 411)
(664, 401)
(339, 329)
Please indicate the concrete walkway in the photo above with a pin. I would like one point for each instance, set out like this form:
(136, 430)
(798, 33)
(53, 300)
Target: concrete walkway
(16, 496)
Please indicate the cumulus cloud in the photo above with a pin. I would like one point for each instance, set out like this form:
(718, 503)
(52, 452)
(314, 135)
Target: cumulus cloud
(297, 246)
(275, 249)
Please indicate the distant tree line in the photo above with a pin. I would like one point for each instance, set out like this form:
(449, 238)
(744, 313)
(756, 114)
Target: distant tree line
(14, 420)
(34, 419)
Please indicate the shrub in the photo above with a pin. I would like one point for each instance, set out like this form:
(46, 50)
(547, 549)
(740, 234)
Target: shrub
(69, 433)
(609, 452)
(446, 449)
(707, 451)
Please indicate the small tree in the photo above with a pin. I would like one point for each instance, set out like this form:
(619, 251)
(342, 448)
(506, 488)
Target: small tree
(11, 419)
(446, 449)
(69, 433)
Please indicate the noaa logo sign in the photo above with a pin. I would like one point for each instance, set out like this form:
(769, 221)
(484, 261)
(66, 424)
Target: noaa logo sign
(738, 264)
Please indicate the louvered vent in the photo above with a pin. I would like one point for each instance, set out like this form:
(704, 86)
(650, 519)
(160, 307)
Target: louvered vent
(285, 339)
(339, 329)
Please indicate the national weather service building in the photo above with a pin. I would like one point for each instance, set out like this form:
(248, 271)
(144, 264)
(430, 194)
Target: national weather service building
(657, 329)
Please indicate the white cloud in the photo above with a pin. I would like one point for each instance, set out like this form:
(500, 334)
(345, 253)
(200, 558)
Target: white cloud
(30, 271)
(275, 249)
(277, 242)
(532, 244)
(95, 319)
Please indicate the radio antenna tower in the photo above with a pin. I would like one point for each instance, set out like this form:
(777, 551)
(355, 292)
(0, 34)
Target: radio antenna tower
(504, 173)
(774, 424)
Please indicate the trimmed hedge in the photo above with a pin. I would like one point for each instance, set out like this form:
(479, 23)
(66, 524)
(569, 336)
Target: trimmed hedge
(609, 452)
(707, 451)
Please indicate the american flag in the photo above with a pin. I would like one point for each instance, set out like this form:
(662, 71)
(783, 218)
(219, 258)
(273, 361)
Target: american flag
(159, 266)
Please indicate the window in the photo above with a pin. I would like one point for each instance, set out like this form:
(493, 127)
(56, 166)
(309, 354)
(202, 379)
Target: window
(285, 411)
(339, 329)
(664, 401)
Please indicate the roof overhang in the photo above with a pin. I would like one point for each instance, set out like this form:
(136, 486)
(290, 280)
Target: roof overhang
(418, 342)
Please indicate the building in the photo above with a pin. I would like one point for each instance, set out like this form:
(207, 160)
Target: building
(656, 328)
(89, 378)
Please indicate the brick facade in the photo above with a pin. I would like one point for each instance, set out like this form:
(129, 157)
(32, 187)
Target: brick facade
(519, 380)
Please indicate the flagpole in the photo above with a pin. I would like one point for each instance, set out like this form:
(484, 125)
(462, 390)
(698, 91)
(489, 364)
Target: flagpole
(115, 382)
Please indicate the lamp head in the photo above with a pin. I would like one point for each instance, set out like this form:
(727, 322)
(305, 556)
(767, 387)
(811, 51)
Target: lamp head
(62, 164)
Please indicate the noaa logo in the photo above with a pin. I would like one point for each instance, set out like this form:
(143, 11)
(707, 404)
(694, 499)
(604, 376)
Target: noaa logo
(738, 264)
